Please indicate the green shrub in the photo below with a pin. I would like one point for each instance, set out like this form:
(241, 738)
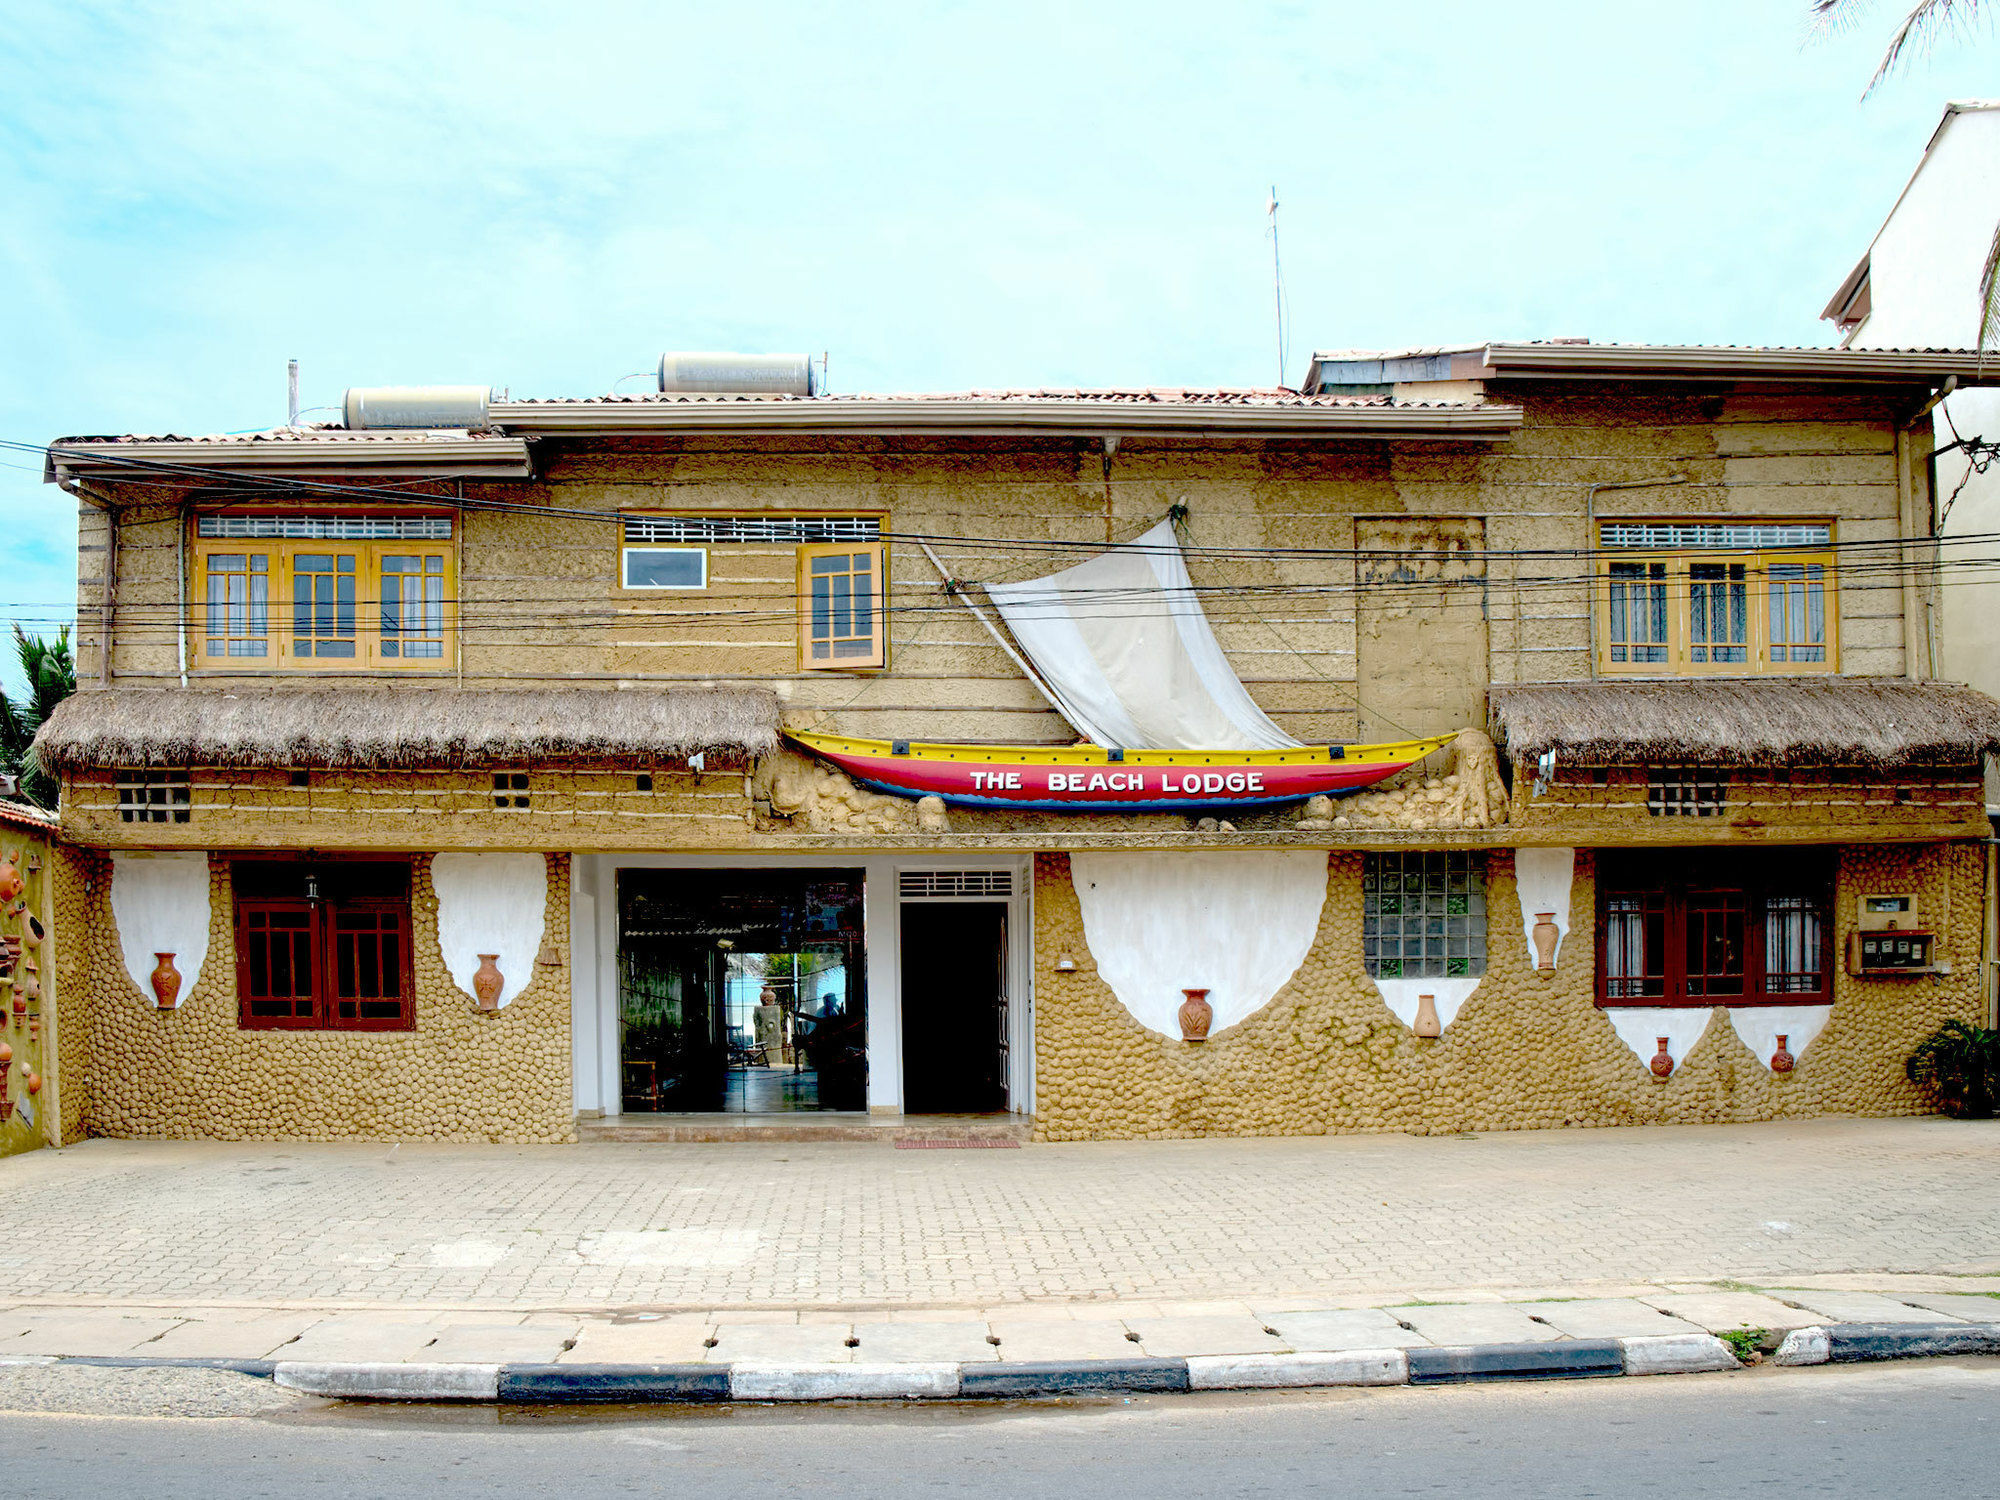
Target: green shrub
(1959, 1067)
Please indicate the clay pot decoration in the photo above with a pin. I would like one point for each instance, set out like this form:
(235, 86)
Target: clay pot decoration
(1427, 1024)
(166, 981)
(1782, 1060)
(1546, 937)
(487, 981)
(1663, 1061)
(28, 989)
(32, 934)
(6, 1062)
(10, 876)
(34, 1083)
(1196, 1016)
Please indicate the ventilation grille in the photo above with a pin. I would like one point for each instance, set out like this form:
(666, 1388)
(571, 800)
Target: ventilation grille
(1686, 792)
(943, 885)
(510, 789)
(787, 531)
(1682, 536)
(327, 528)
(153, 796)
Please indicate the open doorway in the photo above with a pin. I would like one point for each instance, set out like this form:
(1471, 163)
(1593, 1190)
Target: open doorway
(955, 1013)
(741, 991)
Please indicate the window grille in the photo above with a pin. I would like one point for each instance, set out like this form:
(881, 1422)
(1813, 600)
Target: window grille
(786, 531)
(153, 797)
(1423, 915)
(1711, 536)
(325, 528)
(510, 789)
(1686, 792)
(945, 885)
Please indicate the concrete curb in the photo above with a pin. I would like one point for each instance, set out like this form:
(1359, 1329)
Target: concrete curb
(1566, 1359)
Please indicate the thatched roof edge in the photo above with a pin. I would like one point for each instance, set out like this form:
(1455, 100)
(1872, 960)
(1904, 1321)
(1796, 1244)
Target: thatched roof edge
(1887, 723)
(401, 728)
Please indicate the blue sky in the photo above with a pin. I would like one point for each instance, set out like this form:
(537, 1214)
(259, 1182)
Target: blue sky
(942, 195)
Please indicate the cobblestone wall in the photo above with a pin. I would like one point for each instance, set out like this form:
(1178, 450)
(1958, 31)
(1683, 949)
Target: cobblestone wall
(460, 1075)
(1526, 1051)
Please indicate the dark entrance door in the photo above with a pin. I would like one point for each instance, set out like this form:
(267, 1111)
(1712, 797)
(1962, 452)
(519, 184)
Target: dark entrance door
(742, 991)
(954, 1007)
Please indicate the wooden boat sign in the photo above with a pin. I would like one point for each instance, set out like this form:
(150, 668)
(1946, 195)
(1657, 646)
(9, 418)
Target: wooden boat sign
(1090, 778)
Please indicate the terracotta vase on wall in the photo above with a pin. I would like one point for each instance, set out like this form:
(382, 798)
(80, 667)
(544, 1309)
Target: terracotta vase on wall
(1781, 1060)
(487, 981)
(166, 981)
(10, 876)
(6, 1062)
(1663, 1061)
(1546, 938)
(1196, 1016)
(1427, 1024)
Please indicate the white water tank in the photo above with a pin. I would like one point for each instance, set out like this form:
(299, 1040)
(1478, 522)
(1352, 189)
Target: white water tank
(369, 408)
(714, 374)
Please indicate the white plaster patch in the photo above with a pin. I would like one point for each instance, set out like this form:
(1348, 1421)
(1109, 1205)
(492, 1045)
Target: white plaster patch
(1760, 1026)
(692, 1247)
(1641, 1028)
(1400, 995)
(160, 905)
(1236, 925)
(491, 903)
(468, 1255)
(1542, 880)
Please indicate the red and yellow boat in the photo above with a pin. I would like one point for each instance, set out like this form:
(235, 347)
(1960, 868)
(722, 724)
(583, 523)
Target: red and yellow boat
(1091, 778)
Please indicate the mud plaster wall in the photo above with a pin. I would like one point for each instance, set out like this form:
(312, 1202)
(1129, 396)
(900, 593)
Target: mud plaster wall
(459, 1076)
(24, 1019)
(1525, 1052)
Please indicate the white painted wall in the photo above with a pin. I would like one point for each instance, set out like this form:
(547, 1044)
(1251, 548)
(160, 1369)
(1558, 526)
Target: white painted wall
(160, 904)
(1402, 996)
(491, 903)
(1542, 881)
(1923, 278)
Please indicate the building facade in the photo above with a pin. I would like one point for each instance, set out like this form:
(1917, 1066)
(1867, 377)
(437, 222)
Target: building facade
(448, 766)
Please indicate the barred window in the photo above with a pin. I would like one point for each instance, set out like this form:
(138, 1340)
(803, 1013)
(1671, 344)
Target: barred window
(784, 531)
(325, 528)
(1697, 929)
(1423, 915)
(1686, 792)
(510, 789)
(323, 946)
(153, 797)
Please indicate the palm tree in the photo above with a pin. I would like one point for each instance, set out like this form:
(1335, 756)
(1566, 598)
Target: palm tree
(1927, 21)
(50, 671)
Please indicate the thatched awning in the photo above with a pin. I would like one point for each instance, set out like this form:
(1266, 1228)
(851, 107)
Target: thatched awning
(402, 728)
(1833, 721)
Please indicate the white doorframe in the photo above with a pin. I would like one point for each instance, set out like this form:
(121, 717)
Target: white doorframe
(594, 994)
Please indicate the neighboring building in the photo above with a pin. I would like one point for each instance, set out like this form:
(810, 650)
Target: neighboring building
(30, 1097)
(444, 763)
(1917, 286)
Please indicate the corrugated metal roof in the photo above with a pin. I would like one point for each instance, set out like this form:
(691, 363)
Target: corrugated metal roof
(1137, 396)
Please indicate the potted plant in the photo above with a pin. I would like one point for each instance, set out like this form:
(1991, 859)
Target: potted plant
(1959, 1066)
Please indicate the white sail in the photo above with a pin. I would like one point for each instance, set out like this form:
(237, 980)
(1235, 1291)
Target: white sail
(1124, 645)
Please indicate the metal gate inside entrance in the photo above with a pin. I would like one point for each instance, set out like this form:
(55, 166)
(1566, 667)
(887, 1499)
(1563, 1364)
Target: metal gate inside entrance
(741, 991)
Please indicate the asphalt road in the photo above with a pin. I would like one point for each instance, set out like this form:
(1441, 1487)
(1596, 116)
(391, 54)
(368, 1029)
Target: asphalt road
(1877, 1430)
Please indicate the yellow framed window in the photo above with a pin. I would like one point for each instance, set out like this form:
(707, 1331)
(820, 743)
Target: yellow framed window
(317, 593)
(1716, 597)
(842, 589)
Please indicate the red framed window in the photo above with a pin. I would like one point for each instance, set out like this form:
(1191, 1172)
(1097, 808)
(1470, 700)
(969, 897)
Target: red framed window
(1714, 929)
(323, 946)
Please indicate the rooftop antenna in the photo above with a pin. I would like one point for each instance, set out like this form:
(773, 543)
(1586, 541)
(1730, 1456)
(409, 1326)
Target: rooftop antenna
(291, 393)
(1277, 283)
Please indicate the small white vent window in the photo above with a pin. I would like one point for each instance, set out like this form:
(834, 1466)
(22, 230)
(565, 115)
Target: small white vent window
(1686, 792)
(153, 797)
(949, 885)
(325, 528)
(1712, 536)
(784, 531)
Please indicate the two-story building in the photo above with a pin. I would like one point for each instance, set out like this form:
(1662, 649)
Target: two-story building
(430, 775)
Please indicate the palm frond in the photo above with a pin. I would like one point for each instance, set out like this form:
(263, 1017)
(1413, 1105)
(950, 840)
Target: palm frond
(1927, 20)
(1989, 296)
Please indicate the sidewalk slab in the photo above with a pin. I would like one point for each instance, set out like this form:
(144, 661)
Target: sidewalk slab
(1719, 1312)
(922, 1343)
(65, 1331)
(1610, 1318)
(360, 1340)
(1351, 1328)
(1958, 1305)
(1039, 1342)
(601, 1343)
(774, 1343)
(219, 1334)
(497, 1344)
(1178, 1338)
(1861, 1307)
(1476, 1323)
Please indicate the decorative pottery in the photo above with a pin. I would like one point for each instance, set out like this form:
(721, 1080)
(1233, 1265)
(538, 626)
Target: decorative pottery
(1197, 1015)
(6, 1062)
(20, 1003)
(166, 981)
(10, 876)
(1781, 1060)
(34, 1082)
(1427, 1023)
(29, 988)
(1546, 937)
(31, 935)
(486, 983)
(1663, 1061)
